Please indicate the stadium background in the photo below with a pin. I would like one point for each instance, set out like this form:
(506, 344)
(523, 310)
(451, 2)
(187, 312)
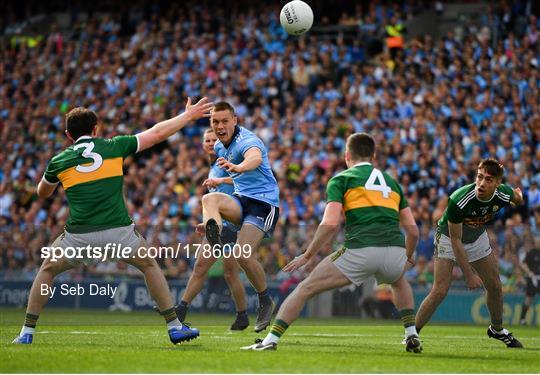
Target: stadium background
(464, 87)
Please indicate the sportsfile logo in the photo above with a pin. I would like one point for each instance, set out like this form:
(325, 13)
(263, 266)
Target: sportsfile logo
(116, 251)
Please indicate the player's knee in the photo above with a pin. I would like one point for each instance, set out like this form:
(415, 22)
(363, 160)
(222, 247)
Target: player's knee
(439, 292)
(494, 287)
(146, 263)
(209, 199)
(54, 268)
(306, 289)
(244, 262)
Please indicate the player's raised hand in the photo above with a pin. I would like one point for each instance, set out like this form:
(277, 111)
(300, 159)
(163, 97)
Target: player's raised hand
(227, 165)
(518, 196)
(296, 263)
(200, 109)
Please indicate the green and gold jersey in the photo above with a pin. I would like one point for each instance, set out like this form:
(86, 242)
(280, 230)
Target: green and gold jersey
(464, 207)
(91, 172)
(371, 202)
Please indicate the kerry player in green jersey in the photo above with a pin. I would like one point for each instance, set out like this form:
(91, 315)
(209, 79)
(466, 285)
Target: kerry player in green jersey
(374, 207)
(91, 174)
(462, 238)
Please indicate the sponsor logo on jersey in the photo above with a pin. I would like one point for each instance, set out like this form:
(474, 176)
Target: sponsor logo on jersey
(476, 222)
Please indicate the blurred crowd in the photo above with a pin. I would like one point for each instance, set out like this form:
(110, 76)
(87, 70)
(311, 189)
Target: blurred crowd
(436, 109)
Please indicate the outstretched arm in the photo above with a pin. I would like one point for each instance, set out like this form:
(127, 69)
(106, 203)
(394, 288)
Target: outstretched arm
(164, 129)
(323, 236)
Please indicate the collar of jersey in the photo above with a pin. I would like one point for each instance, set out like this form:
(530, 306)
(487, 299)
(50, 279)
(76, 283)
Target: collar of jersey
(236, 131)
(362, 163)
(83, 137)
(480, 200)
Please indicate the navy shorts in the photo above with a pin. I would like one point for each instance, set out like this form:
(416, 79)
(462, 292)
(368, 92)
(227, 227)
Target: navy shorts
(261, 214)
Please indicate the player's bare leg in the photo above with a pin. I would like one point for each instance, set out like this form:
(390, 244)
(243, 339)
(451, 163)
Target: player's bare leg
(195, 284)
(325, 276)
(197, 278)
(404, 302)
(216, 207)
(441, 284)
(159, 290)
(524, 308)
(250, 237)
(36, 299)
(488, 270)
(238, 291)
(45, 276)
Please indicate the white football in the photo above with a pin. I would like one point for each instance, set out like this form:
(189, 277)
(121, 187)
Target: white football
(296, 17)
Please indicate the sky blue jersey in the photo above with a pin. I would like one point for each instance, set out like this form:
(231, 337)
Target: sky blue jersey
(258, 183)
(217, 172)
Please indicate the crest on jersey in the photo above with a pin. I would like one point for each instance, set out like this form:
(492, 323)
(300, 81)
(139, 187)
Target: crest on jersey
(495, 208)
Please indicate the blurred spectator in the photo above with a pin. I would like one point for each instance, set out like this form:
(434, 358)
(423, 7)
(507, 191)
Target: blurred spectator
(436, 109)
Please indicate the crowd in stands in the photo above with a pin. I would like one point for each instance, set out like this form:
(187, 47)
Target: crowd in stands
(435, 109)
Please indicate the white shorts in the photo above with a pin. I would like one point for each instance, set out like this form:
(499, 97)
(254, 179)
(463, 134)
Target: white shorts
(125, 236)
(385, 263)
(477, 250)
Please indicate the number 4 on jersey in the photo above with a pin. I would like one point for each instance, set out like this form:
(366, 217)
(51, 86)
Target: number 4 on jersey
(376, 182)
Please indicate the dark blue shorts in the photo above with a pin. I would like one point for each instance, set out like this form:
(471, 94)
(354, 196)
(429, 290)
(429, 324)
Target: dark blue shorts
(261, 214)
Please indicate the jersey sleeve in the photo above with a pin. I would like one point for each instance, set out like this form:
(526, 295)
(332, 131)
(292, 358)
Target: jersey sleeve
(505, 193)
(50, 175)
(335, 190)
(403, 202)
(455, 214)
(126, 144)
(250, 143)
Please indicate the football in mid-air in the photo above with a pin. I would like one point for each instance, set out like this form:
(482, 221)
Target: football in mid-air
(296, 17)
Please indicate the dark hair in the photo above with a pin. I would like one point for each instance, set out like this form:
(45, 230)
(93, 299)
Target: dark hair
(492, 166)
(361, 146)
(223, 106)
(80, 121)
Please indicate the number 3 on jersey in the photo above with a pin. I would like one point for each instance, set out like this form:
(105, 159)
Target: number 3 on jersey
(376, 182)
(87, 153)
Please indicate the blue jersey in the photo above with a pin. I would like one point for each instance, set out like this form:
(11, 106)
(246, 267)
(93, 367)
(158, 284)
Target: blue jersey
(217, 172)
(259, 183)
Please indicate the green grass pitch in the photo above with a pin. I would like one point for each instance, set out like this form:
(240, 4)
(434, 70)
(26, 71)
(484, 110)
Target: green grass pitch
(99, 341)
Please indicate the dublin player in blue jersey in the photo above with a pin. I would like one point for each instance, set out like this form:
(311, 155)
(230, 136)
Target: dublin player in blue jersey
(254, 204)
(218, 181)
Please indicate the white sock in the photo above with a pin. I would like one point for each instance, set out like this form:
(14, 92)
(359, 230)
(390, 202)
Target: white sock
(270, 338)
(174, 323)
(411, 330)
(25, 330)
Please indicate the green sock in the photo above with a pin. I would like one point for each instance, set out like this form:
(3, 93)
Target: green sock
(407, 317)
(30, 320)
(279, 327)
(170, 316)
